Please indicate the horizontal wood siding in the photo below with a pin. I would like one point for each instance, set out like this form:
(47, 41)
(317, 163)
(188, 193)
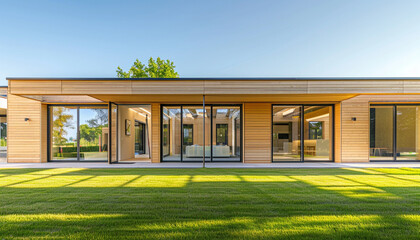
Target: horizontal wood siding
(230, 87)
(155, 132)
(167, 87)
(96, 87)
(255, 87)
(355, 134)
(24, 137)
(257, 133)
(337, 132)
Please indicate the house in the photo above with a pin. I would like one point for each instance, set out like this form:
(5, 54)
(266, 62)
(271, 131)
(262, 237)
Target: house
(249, 120)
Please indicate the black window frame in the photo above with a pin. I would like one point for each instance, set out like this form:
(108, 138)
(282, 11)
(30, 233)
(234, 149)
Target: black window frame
(394, 131)
(211, 129)
(143, 136)
(49, 139)
(302, 132)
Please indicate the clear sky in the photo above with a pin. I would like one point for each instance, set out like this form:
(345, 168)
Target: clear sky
(211, 38)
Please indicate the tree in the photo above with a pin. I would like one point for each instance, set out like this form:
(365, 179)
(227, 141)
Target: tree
(60, 123)
(155, 69)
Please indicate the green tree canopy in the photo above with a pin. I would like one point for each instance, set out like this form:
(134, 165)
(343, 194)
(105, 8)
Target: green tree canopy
(158, 68)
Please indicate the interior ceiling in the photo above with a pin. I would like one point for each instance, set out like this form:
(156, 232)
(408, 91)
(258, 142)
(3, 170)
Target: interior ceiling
(234, 98)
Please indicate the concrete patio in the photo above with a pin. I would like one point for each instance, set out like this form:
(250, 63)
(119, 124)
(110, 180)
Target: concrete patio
(209, 165)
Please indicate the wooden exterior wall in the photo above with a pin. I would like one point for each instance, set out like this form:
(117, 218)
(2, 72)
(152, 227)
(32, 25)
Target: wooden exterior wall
(212, 87)
(337, 132)
(155, 132)
(355, 134)
(257, 132)
(27, 139)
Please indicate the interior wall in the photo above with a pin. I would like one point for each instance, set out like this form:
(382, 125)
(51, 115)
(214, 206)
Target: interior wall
(126, 142)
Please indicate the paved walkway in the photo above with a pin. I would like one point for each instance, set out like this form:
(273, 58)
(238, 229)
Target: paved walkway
(210, 165)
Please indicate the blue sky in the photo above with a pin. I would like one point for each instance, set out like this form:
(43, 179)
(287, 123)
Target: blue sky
(211, 38)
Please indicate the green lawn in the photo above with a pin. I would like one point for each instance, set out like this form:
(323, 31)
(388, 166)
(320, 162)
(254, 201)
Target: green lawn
(210, 203)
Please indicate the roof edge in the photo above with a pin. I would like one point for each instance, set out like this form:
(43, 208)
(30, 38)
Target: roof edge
(217, 79)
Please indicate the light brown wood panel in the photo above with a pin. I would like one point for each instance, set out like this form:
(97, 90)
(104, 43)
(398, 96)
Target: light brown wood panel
(155, 132)
(255, 87)
(354, 86)
(24, 137)
(168, 87)
(337, 132)
(96, 87)
(35, 87)
(257, 132)
(224, 99)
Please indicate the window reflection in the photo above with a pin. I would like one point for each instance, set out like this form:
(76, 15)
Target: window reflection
(318, 131)
(381, 132)
(63, 133)
(286, 133)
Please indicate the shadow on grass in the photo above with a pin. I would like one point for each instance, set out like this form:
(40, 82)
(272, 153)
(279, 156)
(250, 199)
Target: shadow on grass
(209, 203)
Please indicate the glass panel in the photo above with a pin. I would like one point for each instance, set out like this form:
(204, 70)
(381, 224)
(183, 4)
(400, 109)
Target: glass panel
(193, 115)
(408, 132)
(3, 139)
(286, 133)
(381, 132)
(114, 135)
(63, 133)
(226, 133)
(140, 138)
(171, 130)
(93, 131)
(318, 131)
(188, 138)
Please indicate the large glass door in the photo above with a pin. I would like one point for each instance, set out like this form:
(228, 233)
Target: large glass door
(395, 132)
(78, 133)
(302, 133)
(183, 139)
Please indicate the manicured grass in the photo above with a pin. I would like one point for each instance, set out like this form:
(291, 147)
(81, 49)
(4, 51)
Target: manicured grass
(210, 203)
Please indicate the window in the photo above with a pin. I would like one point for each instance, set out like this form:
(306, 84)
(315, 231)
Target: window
(140, 138)
(394, 131)
(315, 130)
(171, 133)
(311, 125)
(182, 133)
(221, 134)
(188, 134)
(78, 133)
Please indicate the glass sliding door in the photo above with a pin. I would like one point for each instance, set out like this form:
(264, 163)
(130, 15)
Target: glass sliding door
(63, 133)
(381, 133)
(78, 133)
(226, 133)
(318, 133)
(195, 116)
(3, 138)
(407, 133)
(286, 133)
(183, 138)
(93, 132)
(171, 133)
(302, 133)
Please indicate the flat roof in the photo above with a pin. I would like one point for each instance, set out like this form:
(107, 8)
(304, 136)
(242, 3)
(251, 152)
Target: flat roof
(217, 79)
